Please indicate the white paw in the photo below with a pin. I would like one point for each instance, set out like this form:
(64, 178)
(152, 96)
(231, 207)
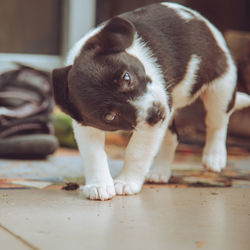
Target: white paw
(158, 176)
(126, 187)
(215, 161)
(98, 191)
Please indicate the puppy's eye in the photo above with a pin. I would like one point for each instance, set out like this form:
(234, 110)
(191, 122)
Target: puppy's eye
(126, 77)
(109, 117)
(126, 82)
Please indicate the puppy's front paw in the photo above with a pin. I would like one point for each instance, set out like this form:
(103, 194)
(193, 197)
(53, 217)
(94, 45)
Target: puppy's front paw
(99, 191)
(215, 160)
(126, 187)
(158, 176)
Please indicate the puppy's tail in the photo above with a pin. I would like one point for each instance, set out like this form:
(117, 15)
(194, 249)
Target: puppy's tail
(242, 101)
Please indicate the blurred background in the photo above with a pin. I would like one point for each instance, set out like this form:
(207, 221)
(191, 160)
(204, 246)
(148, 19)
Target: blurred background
(39, 33)
(46, 27)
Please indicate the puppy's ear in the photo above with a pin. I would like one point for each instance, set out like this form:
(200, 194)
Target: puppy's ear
(60, 90)
(117, 35)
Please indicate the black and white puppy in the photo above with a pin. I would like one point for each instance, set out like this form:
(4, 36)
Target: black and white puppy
(132, 73)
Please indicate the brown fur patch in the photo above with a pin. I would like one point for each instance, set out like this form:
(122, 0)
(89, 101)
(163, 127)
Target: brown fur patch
(60, 91)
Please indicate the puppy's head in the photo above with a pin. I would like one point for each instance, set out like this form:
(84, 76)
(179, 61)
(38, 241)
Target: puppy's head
(98, 88)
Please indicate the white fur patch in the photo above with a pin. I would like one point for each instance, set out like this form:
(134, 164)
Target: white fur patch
(156, 90)
(214, 154)
(180, 11)
(216, 99)
(182, 90)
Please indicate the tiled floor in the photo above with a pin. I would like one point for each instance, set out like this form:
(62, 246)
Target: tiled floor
(174, 217)
(157, 218)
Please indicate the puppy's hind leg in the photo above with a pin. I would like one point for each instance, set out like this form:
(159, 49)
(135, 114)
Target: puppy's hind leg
(217, 99)
(160, 171)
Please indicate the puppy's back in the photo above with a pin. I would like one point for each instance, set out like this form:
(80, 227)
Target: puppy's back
(174, 34)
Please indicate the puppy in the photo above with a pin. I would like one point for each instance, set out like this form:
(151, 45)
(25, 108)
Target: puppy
(134, 72)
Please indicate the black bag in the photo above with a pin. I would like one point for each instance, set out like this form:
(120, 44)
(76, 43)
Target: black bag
(26, 103)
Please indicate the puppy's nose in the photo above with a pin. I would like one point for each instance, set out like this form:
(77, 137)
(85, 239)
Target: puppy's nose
(155, 114)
